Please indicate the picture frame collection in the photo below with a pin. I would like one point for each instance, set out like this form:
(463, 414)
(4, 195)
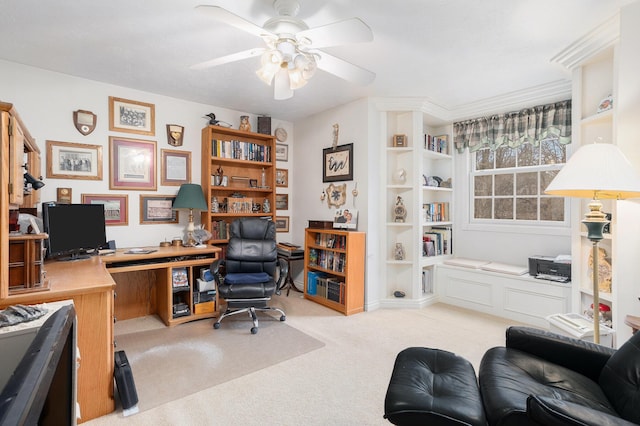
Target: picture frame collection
(133, 163)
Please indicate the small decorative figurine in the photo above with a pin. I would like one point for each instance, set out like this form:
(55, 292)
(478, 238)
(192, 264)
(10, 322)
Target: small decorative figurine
(399, 211)
(266, 206)
(336, 131)
(399, 253)
(245, 126)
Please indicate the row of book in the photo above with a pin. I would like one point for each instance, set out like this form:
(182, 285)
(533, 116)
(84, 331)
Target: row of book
(219, 230)
(437, 241)
(331, 241)
(326, 286)
(436, 143)
(327, 260)
(240, 150)
(435, 212)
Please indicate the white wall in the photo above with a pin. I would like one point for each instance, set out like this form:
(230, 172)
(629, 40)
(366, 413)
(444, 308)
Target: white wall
(313, 134)
(46, 100)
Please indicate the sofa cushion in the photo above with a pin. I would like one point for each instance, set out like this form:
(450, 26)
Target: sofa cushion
(508, 376)
(620, 379)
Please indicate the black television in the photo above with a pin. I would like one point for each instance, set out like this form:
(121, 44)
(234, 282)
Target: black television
(74, 229)
(42, 388)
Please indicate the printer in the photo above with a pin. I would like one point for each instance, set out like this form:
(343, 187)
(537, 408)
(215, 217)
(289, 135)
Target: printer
(550, 268)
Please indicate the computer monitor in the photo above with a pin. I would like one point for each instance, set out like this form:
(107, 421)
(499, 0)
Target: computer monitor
(42, 388)
(74, 229)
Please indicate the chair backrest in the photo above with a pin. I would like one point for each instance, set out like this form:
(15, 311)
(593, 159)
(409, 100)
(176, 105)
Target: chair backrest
(252, 246)
(620, 379)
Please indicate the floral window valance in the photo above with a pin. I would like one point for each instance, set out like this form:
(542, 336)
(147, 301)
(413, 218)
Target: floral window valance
(530, 125)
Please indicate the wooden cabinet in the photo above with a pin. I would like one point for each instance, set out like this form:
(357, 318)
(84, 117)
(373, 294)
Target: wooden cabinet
(238, 177)
(417, 176)
(163, 282)
(26, 263)
(334, 269)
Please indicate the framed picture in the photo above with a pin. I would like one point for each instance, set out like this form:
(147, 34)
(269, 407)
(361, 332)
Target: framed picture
(131, 116)
(282, 223)
(282, 201)
(176, 167)
(132, 164)
(63, 195)
(399, 140)
(337, 164)
(116, 207)
(282, 152)
(157, 209)
(66, 160)
(345, 219)
(282, 177)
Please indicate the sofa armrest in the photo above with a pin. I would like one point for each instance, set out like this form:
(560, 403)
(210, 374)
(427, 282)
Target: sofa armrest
(578, 355)
(557, 412)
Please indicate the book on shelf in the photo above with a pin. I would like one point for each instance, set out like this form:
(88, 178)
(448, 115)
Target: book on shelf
(436, 212)
(438, 143)
(240, 150)
(179, 277)
(437, 241)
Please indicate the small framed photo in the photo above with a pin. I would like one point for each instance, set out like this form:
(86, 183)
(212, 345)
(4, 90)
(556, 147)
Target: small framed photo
(253, 183)
(282, 178)
(176, 167)
(282, 223)
(63, 195)
(116, 208)
(132, 164)
(282, 152)
(67, 160)
(400, 141)
(157, 209)
(282, 201)
(131, 116)
(345, 219)
(337, 164)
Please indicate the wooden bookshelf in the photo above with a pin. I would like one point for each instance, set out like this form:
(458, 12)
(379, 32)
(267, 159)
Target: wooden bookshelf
(334, 269)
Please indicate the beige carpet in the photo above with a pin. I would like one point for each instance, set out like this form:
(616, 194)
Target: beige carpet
(171, 363)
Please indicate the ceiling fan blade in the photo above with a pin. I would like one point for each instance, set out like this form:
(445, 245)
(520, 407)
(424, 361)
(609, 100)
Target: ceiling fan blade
(223, 15)
(351, 30)
(344, 69)
(228, 58)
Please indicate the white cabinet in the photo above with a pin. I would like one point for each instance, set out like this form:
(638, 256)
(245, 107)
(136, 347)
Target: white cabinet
(595, 63)
(417, 203)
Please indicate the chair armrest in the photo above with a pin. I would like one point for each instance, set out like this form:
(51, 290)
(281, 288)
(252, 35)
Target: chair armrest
(284, 270)
(578, 355)
(557, 412)
(215, 270)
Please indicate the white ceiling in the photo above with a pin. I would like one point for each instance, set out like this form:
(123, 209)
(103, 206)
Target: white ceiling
(451, 52)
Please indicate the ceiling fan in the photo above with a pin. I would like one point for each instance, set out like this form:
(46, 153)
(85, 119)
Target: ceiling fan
(291, 55)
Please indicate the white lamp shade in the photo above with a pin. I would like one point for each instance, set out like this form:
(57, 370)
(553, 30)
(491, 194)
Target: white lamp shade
(597, 171)
(282, 85)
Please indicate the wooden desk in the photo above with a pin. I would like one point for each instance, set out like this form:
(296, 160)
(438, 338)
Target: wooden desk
(92, 283)
(144, 281)
(90, 286)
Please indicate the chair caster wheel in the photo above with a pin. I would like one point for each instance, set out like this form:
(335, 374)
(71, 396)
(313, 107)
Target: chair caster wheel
(282, 318)
(254, 330)
(216, 325)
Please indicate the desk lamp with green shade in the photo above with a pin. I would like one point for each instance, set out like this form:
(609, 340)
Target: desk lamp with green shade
(597, 171)
(190, 196)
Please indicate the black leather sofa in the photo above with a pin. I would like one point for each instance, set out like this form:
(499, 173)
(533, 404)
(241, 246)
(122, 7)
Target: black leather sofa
(537, 378)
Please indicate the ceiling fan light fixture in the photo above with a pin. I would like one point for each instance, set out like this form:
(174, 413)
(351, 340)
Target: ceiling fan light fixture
(271, 61)
(282, 85)
(296, 79)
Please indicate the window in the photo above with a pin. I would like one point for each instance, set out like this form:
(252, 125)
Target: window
(508, 183)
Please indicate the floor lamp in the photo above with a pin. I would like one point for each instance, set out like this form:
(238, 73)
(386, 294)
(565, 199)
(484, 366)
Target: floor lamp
(190, 196)
(597, 171)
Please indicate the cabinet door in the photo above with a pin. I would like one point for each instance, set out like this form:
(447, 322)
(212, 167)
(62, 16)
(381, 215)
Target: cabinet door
(16, 160)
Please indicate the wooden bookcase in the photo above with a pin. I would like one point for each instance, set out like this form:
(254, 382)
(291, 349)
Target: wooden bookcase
(248, 164)
(334, 269)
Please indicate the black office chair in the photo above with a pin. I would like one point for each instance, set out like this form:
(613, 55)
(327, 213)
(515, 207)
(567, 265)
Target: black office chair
(249, 270)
